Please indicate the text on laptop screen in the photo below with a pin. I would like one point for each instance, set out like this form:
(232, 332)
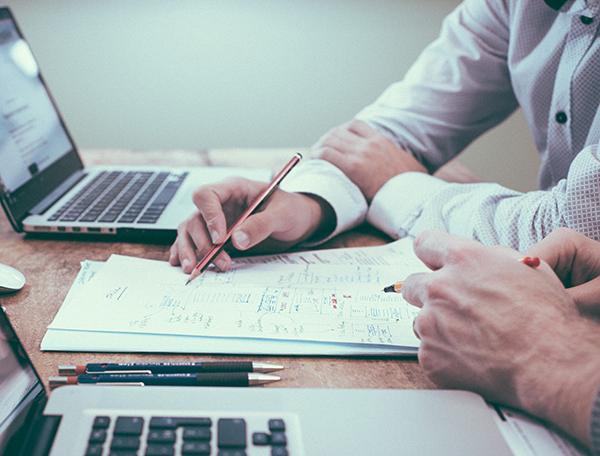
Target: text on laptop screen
(31, 135)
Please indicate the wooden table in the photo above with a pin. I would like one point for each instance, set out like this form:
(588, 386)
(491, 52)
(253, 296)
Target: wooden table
(51, 266)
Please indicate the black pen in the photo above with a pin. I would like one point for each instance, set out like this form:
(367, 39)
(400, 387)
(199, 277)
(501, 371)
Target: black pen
(213, 379)
(168, 368)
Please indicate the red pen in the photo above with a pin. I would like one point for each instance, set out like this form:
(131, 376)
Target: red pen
(262, 197)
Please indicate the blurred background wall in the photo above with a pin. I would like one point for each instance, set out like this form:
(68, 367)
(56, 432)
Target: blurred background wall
(149, 74)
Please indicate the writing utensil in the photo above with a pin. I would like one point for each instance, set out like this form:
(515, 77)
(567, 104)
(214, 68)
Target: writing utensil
(261, 198)
(534, 262)
(212, 379)
(168, 368)
(394, 288)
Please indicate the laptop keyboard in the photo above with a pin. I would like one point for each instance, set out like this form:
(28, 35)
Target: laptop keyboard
(186, 436)
(121, 197)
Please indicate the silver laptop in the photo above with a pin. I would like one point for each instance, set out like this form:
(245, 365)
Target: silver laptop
(44, 187)
(254, 421)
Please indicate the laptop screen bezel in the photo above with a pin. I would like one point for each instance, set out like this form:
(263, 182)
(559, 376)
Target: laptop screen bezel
(18, 203)
(22, 415)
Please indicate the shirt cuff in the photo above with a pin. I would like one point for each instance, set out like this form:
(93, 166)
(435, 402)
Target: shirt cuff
(398, 204)
(321, 178)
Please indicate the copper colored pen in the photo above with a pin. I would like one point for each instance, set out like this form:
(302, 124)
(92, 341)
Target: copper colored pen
(262, 197)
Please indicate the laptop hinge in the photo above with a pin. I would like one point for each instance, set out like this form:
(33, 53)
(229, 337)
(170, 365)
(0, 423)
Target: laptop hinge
(40, 437)
(58, 192)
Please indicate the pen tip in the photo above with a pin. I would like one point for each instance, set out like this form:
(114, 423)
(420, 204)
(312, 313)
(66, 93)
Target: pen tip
(389, 289)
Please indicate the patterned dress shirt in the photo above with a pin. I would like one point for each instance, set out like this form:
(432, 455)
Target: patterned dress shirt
(492, 56)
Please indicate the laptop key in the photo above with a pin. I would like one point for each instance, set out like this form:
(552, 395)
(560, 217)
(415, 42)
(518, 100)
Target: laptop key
(129, 425)
(231, 433)
(197, 433)
(261, 439)
(160, 450)
(229, 452)
(276, 425)
(101, 422)
(124, 442)
(98, 436)
(94, 449)
(162, 436)
(195, 448)
(278, 438)
(279, 451)
(170, 422)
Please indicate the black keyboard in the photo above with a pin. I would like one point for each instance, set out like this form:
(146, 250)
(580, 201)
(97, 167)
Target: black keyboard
(184, 436)
(121, 197)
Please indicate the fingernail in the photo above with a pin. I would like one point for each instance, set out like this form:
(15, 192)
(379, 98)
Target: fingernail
(184, 264)
(221, 264)
(214, 236)
(241, 239)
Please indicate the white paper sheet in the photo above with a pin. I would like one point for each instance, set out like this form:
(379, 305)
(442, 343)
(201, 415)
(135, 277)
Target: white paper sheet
(280, 304)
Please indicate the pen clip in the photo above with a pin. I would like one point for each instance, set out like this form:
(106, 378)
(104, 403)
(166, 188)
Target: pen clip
(118, 384)
(142, 371)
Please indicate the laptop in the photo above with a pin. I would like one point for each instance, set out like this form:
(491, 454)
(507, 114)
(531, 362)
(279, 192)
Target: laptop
(44, 186)
(254, 421)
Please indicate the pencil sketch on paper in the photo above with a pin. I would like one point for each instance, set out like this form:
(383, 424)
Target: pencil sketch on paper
(326, 314)
(330, 296)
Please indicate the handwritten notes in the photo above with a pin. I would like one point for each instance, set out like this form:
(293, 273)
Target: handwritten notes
(327, 296)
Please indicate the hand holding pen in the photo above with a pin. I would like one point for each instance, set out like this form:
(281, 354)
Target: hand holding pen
(261, 198)
(288, 217)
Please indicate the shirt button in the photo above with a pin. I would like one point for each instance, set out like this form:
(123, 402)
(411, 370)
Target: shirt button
(586, 20)
(561, 117)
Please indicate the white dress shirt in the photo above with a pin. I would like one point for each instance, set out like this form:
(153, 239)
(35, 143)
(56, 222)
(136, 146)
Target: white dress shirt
(491, 57)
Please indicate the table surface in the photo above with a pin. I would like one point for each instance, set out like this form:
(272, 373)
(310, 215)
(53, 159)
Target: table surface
(51, 266)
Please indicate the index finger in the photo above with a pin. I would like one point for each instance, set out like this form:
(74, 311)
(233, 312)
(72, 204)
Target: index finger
(414, 288)
(211, 199)
(435, 248)
(574, 257)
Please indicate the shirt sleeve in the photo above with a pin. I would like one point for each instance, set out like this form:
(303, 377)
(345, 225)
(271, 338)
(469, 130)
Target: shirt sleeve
(458, 88)
(412, 202)
(321, 178)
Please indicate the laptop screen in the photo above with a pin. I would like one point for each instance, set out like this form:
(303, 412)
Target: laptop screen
(36, 152)
(20, 387)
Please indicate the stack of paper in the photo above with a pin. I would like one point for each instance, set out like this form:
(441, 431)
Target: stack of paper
(327, 302)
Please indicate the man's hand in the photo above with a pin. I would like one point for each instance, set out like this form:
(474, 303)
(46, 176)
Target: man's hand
(367, 157)
(282, 221)
(575, 259)
(510, 332)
